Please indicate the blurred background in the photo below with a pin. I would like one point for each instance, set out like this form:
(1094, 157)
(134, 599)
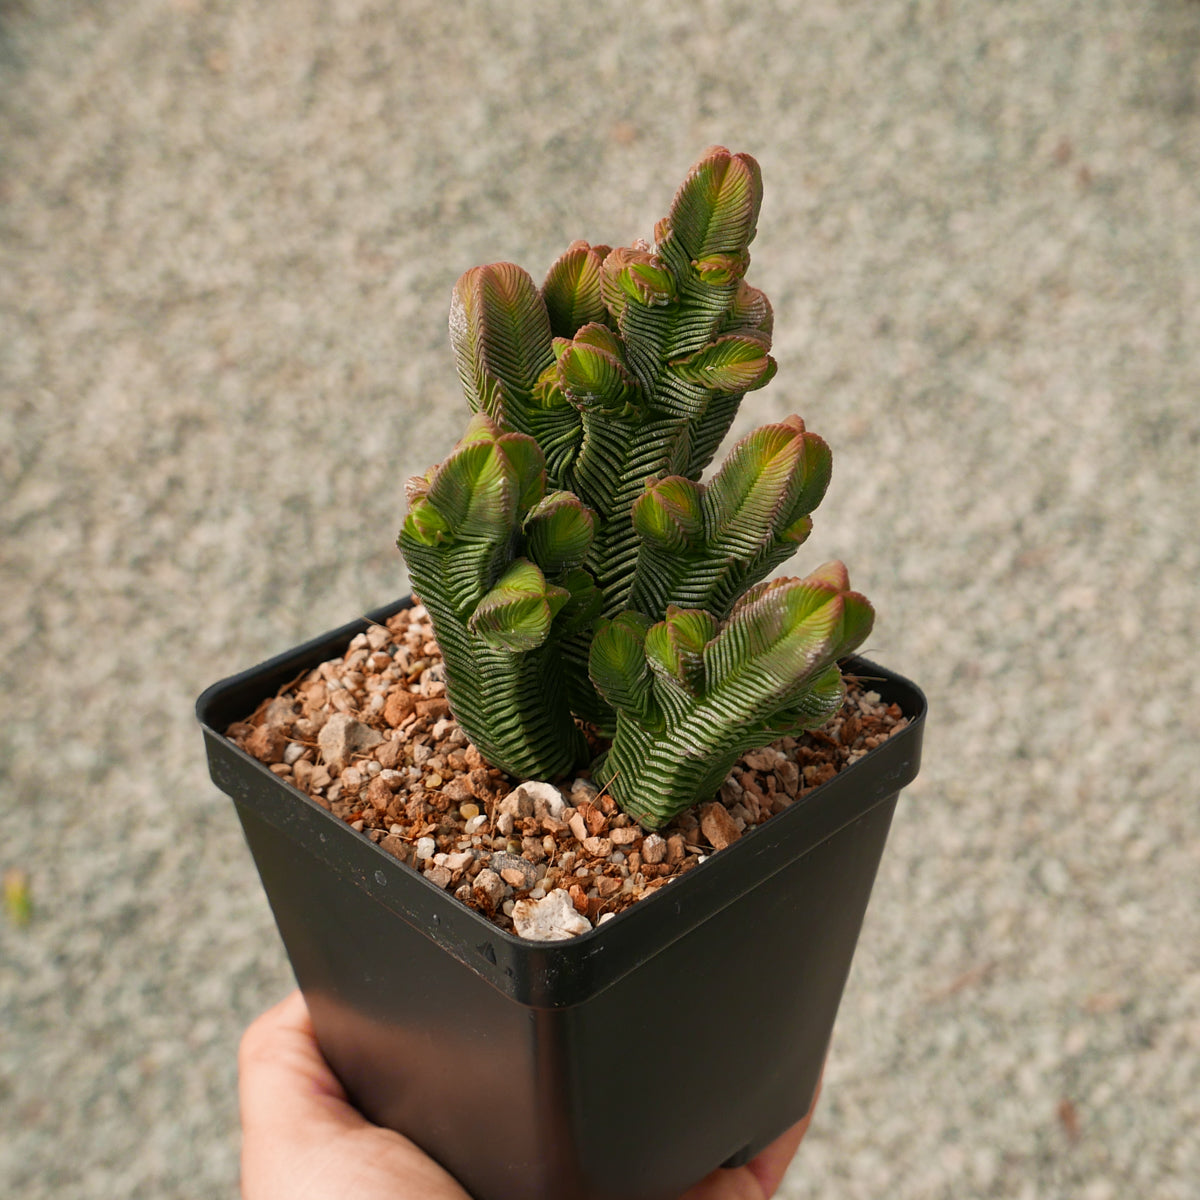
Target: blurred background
(228, 234)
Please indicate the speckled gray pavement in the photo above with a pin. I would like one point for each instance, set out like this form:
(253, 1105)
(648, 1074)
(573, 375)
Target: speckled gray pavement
(227, 239)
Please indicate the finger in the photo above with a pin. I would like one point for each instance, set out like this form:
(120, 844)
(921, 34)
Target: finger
(760, 1178)
(771, 1165)
(283, 1080)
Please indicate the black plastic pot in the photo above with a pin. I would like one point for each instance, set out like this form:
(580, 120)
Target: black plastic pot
(687, 1032)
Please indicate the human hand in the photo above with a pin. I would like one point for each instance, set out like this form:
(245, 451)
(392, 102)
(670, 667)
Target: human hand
(301, 1137)
(762, 1175)
(303, 1140)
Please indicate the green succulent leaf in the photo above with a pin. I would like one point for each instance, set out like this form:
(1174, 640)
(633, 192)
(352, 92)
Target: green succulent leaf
(572, 289)
(817, 705)
(631, 273)
(525, 466)
(500, 332)
(585, 604)
(618, 667)
(715, 211)
(559, 532)
(733, 363)
(797, 533)
(593, 375)
(485, 484)
(750, 312)
(669, 514)
(782, 632)
(517, 613)
(702, 545)
(675, 647)
(770, 479)
(722, 269)
(424, 524)
(473, 492)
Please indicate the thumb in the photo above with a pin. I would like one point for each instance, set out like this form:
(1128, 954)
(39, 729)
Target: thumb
(284, 1083)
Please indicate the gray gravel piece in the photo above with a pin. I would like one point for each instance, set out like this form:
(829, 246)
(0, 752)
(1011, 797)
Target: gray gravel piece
(227, 239)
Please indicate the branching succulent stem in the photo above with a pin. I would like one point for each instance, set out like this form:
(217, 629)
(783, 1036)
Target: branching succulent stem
(574, 566)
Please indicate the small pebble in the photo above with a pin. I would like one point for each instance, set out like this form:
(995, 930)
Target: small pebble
(517, 804)
(550, 919)
(654, 849)
(547, 794)
(425, 847)
(489, 889)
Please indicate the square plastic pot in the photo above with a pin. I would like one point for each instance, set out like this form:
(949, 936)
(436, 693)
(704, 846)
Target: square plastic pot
(625, 1064)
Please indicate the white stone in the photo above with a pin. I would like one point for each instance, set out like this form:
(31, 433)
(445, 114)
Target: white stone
(280, 711)
(517, 804)
(425, 847)
(552, 919)
(654, 849)
(489, 888)
(582, 791)
(378, 637)
(547, 793)
(341, 736)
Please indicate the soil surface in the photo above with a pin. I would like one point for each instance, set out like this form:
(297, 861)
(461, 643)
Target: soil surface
(370, 736)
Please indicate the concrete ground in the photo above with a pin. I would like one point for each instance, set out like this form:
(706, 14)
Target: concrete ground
(228, 234)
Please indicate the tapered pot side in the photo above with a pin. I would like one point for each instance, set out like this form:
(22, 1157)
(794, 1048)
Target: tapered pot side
(685, 1033)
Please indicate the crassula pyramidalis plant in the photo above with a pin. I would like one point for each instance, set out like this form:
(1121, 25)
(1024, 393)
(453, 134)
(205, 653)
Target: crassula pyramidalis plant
(576, 569)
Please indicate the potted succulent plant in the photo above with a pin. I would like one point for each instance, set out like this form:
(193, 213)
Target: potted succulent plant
(596, 608)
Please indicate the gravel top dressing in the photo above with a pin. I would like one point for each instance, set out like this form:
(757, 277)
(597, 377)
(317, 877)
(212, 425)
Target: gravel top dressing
(370, 737)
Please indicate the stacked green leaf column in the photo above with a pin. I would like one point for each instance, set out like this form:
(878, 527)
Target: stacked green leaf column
(570, 526)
